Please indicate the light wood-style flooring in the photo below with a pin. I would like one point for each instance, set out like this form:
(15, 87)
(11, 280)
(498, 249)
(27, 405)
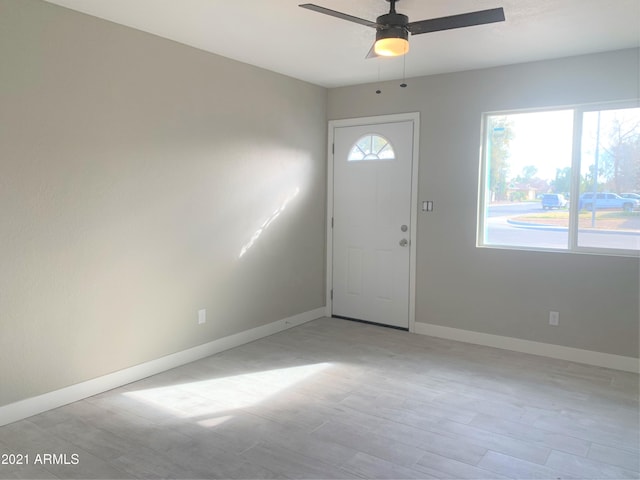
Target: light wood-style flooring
(337, 399)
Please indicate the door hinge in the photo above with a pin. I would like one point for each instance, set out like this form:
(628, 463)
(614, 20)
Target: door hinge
(333, 148)
(331, 294)
(331, 222)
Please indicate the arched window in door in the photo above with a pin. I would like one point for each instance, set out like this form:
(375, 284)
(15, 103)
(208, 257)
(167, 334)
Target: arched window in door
(371, 147)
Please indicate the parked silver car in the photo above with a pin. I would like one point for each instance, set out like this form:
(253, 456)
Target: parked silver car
(635, 196)
(604, 201)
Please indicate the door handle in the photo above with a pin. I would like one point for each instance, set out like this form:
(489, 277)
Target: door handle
(404, 242)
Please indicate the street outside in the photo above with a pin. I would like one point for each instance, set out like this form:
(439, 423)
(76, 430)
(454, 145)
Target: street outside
(506, 224)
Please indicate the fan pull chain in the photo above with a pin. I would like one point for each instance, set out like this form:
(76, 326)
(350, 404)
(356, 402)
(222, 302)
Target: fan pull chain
(404, 71)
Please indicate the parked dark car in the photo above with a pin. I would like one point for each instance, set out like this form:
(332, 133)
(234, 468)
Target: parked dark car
(553, 200)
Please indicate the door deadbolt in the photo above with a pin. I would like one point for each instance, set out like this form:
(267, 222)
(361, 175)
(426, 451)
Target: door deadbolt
(404, 228)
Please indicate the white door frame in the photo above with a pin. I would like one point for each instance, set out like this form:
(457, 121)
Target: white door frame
(353, 122)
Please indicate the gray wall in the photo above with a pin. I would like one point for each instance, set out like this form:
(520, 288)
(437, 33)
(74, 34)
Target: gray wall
(504, 292)
(133, 170)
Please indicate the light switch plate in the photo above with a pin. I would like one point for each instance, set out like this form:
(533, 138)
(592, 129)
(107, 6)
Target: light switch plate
(427, 206)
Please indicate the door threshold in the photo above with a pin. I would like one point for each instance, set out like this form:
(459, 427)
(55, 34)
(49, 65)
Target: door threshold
(370, 323)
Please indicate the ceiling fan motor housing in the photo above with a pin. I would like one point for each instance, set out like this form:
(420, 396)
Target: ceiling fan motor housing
(393, 25)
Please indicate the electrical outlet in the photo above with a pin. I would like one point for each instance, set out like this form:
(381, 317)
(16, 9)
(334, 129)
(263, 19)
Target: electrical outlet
(202, 316)
(554, 318)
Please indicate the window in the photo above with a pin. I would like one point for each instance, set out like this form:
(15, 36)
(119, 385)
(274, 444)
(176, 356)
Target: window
(562, 180)
(371, 147)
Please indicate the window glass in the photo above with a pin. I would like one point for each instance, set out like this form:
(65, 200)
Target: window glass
(532, 197)
(371, 147)
(610, 164)
(528, 179)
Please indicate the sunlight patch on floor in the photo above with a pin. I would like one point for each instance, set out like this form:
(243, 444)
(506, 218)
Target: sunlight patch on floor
(222, 395)
(214, 421)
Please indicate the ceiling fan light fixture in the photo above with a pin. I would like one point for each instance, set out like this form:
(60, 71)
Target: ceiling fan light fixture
(392, 41)
(391, 47)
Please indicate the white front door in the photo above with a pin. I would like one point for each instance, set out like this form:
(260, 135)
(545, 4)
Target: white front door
(372, 182)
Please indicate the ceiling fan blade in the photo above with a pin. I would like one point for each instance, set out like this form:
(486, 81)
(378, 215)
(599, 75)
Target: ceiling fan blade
(372, 52)
(480, 17)
(343, 16)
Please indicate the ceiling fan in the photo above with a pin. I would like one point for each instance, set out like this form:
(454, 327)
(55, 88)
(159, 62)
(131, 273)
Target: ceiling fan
(393, 28)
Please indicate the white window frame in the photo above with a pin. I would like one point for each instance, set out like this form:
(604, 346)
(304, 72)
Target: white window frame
(572, 244)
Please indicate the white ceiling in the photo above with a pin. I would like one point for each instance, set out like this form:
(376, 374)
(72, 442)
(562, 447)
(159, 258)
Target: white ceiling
(280, 36)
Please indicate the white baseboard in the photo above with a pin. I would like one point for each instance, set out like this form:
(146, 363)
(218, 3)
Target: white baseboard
(41, 403)
(599, 359)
